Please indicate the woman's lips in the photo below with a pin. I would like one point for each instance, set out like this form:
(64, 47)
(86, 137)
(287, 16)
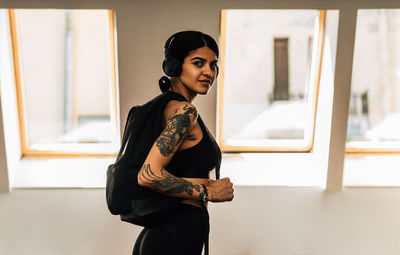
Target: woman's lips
(205, 82)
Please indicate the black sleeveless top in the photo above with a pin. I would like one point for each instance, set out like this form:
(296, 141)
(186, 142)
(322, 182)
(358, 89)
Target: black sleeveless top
(196, 161)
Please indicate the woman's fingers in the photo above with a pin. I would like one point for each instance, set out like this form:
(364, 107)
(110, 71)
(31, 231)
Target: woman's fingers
(222, 190)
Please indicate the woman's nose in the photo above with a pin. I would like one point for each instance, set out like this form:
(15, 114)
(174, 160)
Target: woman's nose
(208, 72)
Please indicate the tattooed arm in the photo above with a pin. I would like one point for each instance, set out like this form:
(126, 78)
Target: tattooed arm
(181, 118)
(168, 184)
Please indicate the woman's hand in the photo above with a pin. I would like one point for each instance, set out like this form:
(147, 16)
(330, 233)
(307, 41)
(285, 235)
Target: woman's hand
(220, 190)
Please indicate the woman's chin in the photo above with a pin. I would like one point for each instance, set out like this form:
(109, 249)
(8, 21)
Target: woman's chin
(203, 92)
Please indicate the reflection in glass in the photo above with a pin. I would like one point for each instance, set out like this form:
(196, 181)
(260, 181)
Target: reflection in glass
(267, 92)
(374, 113)
(65, 67)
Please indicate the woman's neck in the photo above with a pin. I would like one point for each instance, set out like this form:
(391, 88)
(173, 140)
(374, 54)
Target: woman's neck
(179, 87)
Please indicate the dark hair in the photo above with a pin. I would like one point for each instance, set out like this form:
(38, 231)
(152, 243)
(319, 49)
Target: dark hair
(178, 46)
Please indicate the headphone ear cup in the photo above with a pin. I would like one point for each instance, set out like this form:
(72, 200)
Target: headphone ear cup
(172, 67)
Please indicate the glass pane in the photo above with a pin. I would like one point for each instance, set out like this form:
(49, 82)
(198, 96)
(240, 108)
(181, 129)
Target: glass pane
(374, 114)
(65, 67)
(267, 94)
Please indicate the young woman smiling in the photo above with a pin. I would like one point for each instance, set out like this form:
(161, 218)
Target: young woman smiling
(182, 157)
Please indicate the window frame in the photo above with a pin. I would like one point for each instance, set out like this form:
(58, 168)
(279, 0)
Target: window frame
(315, 70)
(76, 151)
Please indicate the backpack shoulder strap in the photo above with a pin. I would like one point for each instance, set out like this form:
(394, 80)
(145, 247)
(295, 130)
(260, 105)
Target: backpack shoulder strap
(159, 104)
(144, 124)
(170, 95)
(127, 128)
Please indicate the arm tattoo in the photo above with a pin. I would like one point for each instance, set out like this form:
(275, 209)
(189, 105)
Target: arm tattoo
(166, 183)
(176, 129)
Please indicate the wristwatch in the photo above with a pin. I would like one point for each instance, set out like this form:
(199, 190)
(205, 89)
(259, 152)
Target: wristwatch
(204, 194)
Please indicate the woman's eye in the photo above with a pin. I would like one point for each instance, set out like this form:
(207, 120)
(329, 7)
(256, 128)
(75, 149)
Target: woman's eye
(214, 66)
(198, 63)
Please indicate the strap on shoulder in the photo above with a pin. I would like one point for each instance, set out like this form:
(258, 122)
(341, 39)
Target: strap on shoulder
(171, 95)
(168, 96)
(125, 135)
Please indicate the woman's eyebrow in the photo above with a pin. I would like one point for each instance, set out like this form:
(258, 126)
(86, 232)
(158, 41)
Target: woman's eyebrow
(202, 59)
(199, 58)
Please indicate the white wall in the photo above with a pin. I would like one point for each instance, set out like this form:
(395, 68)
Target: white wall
(4, 179)
(260, 220)
(10, 144)
(4, 174)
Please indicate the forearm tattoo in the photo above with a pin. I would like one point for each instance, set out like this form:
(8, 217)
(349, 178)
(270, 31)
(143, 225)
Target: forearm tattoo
(176, 129)
(166, 183)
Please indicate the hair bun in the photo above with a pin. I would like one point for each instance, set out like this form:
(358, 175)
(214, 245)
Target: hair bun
(165, 84)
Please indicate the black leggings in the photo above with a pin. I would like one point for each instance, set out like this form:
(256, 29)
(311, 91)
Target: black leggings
(182, 232)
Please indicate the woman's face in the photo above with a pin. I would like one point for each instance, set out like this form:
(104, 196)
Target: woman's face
(199, 69)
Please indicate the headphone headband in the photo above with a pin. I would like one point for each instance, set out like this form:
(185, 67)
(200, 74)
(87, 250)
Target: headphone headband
(171, 66)
(169, 42)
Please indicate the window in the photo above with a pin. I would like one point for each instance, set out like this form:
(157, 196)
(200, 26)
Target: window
(66, 82)
(374, 113)
(269, 82)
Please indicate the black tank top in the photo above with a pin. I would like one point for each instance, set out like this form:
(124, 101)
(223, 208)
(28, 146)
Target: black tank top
(196, 161)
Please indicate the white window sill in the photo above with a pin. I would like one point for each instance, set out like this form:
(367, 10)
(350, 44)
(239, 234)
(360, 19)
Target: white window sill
(372, 171)
(248, 169)
(62, 173)
(244, 169)
(272, 169)
(306, 169)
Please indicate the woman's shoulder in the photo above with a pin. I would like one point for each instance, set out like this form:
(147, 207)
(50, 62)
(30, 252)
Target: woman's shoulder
(176, 107)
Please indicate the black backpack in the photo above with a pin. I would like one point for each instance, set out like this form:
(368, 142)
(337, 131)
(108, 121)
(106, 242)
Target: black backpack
(134, 203)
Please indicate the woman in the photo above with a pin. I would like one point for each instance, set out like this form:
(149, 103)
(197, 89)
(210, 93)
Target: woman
(180, 160)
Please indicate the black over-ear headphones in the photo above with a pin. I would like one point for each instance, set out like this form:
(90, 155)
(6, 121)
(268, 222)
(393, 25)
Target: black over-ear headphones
(171, 66)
